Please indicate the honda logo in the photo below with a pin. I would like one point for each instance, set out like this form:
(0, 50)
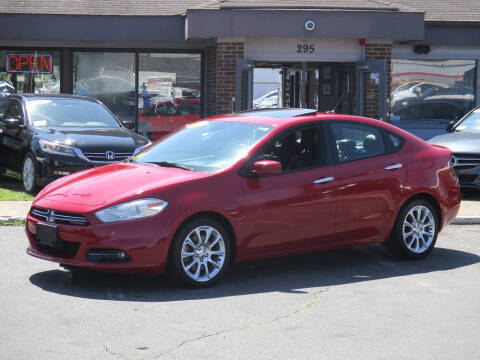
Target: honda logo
(110, 155)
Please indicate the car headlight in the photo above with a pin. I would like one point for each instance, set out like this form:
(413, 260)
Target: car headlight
(54, 148)
(132, 210)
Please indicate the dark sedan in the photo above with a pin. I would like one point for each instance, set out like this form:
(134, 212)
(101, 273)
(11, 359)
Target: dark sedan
(46, 137)
(463, 139)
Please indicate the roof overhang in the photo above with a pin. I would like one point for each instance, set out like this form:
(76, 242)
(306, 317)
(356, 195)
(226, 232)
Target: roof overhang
(394, 25)
(452, 33)
(85, 28)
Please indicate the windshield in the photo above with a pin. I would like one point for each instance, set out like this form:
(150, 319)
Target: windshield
(207, 146)
(471, 123)
(63, 113)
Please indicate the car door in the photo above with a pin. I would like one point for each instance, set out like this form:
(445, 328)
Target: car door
(295, 209)
(370, 177)
(188, 111)
(11, 139)
(162, 121)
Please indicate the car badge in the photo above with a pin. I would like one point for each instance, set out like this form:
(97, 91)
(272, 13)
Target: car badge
(50, 216)
(110, 155)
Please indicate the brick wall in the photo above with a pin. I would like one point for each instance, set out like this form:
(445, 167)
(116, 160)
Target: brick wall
(221, 74)
(377, 52)
(211, 78)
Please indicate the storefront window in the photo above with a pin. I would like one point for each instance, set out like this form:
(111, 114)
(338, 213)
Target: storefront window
(108, 77)
(29, 71)
(169, 92)
(432, 89)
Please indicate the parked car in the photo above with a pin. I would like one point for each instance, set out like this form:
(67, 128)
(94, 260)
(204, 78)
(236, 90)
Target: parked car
(463, 139)
(412, 93)
(266, 101)
(6, 88)
(48, 136)
(248, 186)
(166, 116)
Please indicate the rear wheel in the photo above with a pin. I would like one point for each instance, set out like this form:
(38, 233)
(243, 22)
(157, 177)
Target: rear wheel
(29, 174)
(200, 252)
(416, 230)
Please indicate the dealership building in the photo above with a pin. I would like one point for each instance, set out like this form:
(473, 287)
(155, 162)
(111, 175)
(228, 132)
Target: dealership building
(410, 62)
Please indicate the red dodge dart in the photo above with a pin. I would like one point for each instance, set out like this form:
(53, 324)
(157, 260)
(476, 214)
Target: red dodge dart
(247, 186)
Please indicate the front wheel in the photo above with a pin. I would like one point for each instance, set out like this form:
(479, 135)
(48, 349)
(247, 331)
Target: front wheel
(200, 252)
(29, 173)
(416, 230)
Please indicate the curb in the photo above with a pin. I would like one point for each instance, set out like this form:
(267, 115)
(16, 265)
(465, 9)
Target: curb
(465, 220)
(7, 219)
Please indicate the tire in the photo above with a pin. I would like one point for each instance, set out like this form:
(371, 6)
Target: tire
(200, 253)
(29, 174)
(415, 232)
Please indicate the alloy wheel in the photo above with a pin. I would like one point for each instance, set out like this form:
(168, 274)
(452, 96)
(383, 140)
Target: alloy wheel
(418, 230)
(203, 253)
(28, 174)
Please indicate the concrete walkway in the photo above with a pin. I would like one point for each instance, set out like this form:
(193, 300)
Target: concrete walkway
(17, 211)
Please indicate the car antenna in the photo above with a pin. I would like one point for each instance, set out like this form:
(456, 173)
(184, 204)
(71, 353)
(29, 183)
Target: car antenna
(332, 111)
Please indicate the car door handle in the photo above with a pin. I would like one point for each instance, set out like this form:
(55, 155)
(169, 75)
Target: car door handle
(323, 180)
(393, 167)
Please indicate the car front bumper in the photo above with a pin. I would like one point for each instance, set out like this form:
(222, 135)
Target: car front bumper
(143, 241)
(467, 169)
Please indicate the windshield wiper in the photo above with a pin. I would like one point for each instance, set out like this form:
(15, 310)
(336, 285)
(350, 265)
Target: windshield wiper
(171, 164)
(130, 159)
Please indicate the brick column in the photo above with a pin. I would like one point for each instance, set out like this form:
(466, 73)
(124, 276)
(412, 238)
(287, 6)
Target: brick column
(221, 76)
(377, 52)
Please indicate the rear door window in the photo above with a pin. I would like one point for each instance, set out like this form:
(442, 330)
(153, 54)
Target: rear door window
(357, 141)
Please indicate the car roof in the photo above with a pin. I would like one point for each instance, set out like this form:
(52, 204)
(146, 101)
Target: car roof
(279, 113)
(270, 117)
(286, 117)
(28, 97)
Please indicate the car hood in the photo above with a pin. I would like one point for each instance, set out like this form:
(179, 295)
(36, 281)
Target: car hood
(459, 142)
(102, 186)
(97, 140)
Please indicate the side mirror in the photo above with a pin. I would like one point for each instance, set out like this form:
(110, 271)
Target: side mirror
(266, 167)
(11, 123)
(129, 124)
(450, 125)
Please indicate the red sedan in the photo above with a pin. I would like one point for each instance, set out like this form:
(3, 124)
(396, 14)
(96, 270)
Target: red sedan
(248, 186)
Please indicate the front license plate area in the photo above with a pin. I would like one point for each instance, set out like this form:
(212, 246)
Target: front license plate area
(47, 235)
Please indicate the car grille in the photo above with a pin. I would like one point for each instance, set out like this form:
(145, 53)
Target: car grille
(467, 178)
(466, 161)
(58, 217)
(102, 156)
(68, 249)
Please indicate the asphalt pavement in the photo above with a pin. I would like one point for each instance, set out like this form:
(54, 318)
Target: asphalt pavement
(355, 303)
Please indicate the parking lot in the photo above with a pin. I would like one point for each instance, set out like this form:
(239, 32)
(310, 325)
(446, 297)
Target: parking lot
(355, 303)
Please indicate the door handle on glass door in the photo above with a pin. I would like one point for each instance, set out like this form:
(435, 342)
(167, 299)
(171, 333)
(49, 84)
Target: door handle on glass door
(393, 167)
(323, 180)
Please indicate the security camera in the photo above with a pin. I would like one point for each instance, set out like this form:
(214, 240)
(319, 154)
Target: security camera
(309, 25)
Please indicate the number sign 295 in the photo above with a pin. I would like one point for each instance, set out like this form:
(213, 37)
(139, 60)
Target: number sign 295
(305, 48)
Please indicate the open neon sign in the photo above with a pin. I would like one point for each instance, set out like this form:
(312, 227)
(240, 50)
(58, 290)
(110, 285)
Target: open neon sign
(29, 63)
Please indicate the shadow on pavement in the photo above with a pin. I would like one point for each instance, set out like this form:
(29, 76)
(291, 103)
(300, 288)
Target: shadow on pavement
(338, 267)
